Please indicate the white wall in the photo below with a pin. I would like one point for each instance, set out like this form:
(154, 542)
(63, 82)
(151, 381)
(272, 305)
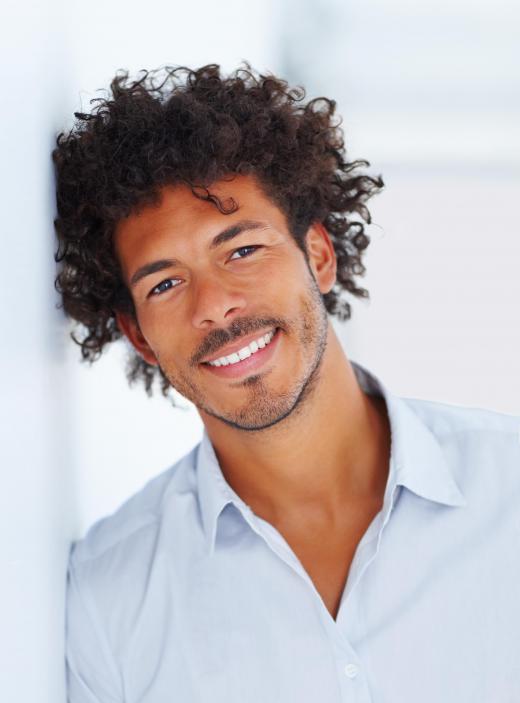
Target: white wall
(37, 497)
(429, 92)
(443, 271)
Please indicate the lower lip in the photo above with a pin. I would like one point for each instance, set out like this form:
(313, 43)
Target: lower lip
(248, 366)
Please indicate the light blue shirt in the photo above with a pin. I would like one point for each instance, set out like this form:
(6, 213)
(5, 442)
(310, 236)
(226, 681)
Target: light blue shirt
(184, 595)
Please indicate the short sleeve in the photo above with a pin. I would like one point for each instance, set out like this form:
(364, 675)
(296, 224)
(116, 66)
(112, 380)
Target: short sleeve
(92, 674)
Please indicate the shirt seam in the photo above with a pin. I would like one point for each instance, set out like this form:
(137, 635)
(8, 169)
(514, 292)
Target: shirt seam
(86, 558)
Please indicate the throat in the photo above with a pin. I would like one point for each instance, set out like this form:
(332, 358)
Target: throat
(326, 554)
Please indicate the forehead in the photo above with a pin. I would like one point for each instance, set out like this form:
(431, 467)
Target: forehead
(180, 214)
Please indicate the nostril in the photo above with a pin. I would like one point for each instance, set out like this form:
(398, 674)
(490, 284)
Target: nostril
(232, 310)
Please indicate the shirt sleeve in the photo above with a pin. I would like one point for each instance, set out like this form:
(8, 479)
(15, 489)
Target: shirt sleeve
(92, 674)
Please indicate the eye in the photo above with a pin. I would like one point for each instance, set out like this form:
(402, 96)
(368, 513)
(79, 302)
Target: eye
(242, 252)
(165, 285)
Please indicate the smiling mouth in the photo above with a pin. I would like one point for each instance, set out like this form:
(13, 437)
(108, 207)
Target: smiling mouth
(245, 352)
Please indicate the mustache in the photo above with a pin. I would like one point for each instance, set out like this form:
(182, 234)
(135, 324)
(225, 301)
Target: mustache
(240, 326)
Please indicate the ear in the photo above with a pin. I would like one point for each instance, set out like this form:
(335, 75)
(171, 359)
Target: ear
(130, 328)
(322, 257)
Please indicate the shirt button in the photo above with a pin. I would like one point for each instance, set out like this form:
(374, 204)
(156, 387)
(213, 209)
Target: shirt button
(351, 670)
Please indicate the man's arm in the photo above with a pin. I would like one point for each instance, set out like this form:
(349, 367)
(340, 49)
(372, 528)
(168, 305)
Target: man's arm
(92, 674)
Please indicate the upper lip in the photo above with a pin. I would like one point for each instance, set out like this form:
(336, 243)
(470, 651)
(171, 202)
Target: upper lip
(236, 345)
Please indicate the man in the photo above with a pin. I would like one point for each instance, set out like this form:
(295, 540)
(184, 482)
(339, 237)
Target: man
(327, 540)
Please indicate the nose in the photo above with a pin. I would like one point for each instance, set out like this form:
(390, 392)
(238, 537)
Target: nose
(215, 303)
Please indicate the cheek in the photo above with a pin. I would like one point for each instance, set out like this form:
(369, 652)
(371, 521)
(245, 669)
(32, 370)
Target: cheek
(161, 340)
(158, 322)
(284, 284)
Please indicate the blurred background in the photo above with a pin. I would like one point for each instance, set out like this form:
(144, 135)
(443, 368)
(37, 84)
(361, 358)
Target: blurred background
(429, 94)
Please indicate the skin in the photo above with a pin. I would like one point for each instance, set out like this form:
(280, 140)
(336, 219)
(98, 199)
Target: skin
(296, 437)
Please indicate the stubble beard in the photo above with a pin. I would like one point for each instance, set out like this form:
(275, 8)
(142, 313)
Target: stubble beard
(265, 407)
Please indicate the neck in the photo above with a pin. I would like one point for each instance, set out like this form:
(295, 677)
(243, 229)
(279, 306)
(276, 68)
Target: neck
(330, 452)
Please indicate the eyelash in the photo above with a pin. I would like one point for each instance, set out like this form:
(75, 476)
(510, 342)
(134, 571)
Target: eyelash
(154, 290)
(252, 247)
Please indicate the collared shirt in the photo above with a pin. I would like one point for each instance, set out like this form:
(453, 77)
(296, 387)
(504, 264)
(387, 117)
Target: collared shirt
(184, 595)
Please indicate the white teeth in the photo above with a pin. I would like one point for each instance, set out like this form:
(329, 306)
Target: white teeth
(245, 352)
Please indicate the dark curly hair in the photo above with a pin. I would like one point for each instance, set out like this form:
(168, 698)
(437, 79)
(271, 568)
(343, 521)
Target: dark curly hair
(177, 125)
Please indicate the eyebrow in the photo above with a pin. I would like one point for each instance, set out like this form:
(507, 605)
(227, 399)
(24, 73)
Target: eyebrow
(225, 236)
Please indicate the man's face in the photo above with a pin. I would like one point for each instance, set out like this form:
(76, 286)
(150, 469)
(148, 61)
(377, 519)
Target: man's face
(226, 304)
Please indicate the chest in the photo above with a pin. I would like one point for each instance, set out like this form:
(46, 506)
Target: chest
(242, 626)
(327, 554)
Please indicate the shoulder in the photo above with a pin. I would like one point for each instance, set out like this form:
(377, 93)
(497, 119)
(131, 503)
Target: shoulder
(138, 515)
(481, 447)
(110, 569)
(448, 421)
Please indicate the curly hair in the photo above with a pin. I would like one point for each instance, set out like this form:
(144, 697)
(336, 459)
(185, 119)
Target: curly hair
(176, 125)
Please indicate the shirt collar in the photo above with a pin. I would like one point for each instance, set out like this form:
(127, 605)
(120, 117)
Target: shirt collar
(213, 490)
(416, 456)
(416, 461)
